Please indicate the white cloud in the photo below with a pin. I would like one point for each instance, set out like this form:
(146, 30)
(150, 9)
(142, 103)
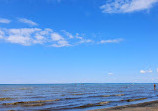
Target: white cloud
(19, 39)
(127, 6)
(146, 71)
(30, 36)
(111, 41)
(82, 39)
(23, 36)
(46, 31)
(1, 34)
(142, 71)
(56, 37)
(48, 37)
(78, 36)
(61, 43)
(110, 73)
(39, 39)
(27, 21)
(23, 31)
(68, 34)
(149, 71)
(6, 21)
(85, 41)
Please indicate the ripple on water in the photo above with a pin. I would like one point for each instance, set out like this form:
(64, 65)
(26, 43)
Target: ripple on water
(77, 94)
(108, 95)
(5, 99)
(30, 102)
(95, 104)
(130, 100)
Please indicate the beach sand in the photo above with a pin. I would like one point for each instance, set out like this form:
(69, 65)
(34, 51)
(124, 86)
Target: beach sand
(147, 106)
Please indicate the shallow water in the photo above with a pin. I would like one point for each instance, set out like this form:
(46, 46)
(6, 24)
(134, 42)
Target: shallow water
(70, 97)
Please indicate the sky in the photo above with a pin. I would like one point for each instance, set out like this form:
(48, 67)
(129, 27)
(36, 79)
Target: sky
(78, 41)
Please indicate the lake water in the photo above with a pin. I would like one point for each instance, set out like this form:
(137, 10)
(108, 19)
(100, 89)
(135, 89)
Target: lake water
(73, 97)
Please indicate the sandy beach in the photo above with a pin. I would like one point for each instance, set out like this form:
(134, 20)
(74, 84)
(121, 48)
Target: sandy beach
(147, 106)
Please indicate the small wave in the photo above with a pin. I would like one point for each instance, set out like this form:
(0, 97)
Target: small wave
(93, 96)
(25, 88)
(72, 98)
(87, 105)
(108, 95)
(105, 95)
(77, 94)
(89, 93)
(125, 87)
(92, 105)
(5, 90)
(119, 95)
(37, 96)
(101, 96)
(120, 91)
(73, 92)
(29, 102)
(5, 99)
(82, 93)
(130, 100)
(36, 104)
(104, 102)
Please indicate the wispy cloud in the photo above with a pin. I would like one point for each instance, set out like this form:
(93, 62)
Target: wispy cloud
(142, 71)
(50, 1)
(110, 73)
(31, 36)
(61, 43)
(21, 36)
(111, 41)
(68, 34)
(27, 21)
(146, 71)
(46, 36)
(6, 21)
(56, 37)
(127, 6)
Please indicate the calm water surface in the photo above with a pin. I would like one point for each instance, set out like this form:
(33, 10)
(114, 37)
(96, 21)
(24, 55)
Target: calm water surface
(73, 97)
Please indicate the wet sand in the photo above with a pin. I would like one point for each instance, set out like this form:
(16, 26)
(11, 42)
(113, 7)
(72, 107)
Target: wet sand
(147, 106)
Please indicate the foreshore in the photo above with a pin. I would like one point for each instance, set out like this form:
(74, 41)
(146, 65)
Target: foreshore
(146, 106)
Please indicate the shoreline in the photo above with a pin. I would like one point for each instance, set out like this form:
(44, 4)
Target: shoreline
(146, 106)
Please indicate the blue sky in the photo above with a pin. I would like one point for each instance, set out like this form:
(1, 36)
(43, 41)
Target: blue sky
(78, 41)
